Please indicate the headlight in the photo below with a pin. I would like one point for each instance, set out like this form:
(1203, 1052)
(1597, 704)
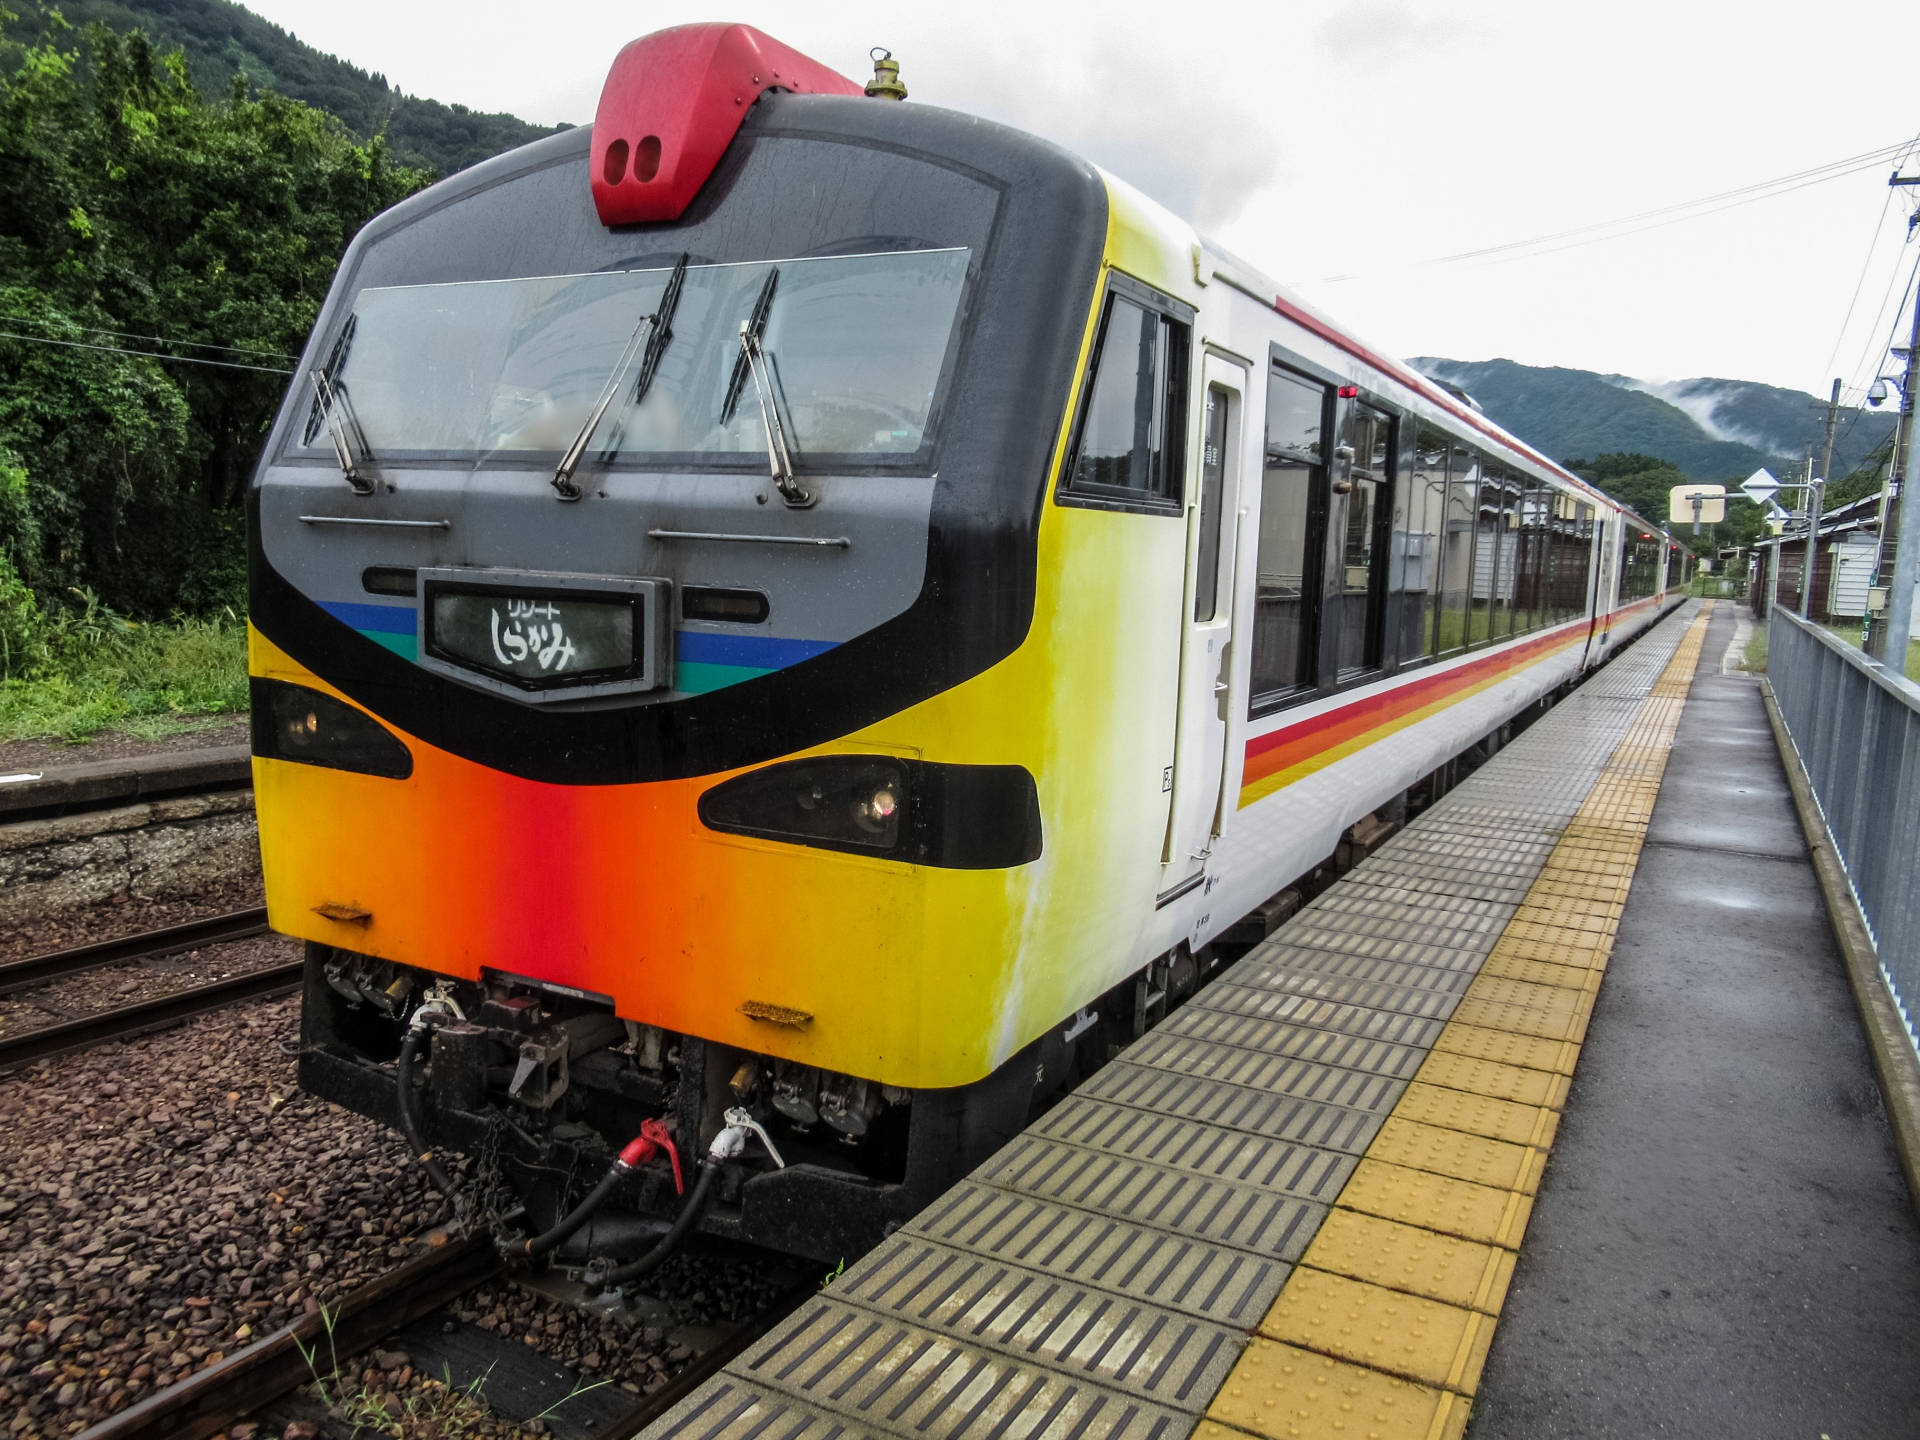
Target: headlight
(961, 817)
(291, 722)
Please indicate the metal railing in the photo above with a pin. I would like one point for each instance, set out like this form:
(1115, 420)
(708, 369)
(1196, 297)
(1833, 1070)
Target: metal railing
(1856, 726)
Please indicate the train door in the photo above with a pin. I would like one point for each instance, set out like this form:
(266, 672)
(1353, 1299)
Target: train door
(1198, 812)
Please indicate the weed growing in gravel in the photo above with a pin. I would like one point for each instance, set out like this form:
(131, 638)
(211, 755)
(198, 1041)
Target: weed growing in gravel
(82, 669)
(438, 1410)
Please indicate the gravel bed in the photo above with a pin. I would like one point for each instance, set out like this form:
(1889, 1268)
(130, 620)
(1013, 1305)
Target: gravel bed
(18, 755)
(111, 986)
(129, 915)
(165, 1201)
(694, 1292)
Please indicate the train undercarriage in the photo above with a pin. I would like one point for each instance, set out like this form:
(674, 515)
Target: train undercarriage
(543, 1089)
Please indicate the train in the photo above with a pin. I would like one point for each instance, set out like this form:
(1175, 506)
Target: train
(790, 625)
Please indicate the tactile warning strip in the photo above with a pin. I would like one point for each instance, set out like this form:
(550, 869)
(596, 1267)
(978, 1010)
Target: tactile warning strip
(1383, 1326)
(1293, 1208)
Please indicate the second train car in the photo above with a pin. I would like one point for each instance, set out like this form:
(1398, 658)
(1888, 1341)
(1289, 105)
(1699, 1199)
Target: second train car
(786, 624)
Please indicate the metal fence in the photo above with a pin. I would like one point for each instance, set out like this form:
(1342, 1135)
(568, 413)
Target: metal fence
(1857, 728)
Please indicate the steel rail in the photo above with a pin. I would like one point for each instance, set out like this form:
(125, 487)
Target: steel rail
(147, 945)
(248, 1380)
(131, 1020)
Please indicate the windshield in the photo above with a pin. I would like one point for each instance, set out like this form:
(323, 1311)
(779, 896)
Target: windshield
(510, 370)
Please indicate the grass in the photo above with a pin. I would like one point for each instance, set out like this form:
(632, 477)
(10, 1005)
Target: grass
(85, 670)
(439, 1410)
(1756, 656)
(1850, 633)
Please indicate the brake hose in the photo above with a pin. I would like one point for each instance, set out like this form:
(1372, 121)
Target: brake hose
(653, 1139)
(727, 1145)
(424, 1019)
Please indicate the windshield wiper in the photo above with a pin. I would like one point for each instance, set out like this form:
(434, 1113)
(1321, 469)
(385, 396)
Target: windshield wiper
(752, 362)
(570, 462)
(662, 334)
(659, 331)
(333, 409)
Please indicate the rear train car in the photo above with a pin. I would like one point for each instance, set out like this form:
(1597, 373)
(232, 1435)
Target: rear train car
(798, 623)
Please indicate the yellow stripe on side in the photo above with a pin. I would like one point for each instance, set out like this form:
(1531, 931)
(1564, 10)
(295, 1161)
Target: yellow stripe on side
(1384, 1326)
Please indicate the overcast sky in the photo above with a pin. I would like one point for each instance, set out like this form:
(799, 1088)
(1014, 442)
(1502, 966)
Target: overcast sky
(1360, 140)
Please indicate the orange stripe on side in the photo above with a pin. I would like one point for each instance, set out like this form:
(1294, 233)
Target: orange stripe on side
(1281, 757)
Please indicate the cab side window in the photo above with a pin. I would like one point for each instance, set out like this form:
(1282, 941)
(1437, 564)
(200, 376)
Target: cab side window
(1130, 447)
(1293, 505)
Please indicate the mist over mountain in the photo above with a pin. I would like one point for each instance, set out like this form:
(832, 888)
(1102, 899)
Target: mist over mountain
(221, 40)
(1712, 430)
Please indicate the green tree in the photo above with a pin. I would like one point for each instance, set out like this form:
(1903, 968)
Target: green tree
(138, 215)
(1643, 483)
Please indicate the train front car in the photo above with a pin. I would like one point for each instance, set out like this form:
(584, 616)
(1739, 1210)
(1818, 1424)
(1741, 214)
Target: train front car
(651, 716)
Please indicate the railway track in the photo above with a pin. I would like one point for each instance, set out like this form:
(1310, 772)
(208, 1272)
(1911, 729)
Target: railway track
(143, 1016)
(250, 1380)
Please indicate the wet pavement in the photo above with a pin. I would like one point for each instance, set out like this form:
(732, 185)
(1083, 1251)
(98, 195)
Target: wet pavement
(1724, 1244)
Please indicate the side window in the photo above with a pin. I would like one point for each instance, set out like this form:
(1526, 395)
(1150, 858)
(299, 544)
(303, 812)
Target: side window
(1213, 472)
(1418, 505)
(1457, 543)
(1133, 421)
(1363, 571)
(1292, 520)
(1530, 602)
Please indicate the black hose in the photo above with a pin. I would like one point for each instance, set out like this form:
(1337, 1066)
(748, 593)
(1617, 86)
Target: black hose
(669, 1242)
(578, 1216)
(410, 1123)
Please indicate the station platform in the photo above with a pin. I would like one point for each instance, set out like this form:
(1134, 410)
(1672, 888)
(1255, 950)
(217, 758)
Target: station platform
(1297, 1207)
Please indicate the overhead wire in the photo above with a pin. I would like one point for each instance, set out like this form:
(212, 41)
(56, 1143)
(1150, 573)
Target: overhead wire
(1893, 274)
(1881, 319)
(157, 339)
(1866, 265)
(1656, 218)
(146, 354)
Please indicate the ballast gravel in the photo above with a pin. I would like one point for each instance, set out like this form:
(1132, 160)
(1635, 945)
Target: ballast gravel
(129, 914)
(164, 1202)
(92, 991)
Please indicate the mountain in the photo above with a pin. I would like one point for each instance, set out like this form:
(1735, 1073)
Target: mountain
(222, 40)
(1712, 430)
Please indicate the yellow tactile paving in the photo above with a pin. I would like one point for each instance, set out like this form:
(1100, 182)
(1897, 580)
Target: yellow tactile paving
(1489, 1077)
(1493, 990)
(1420, 1146)
(1407, 1272)
(1438, 1202)
(1540, 972)
(1576, 948)
(1459, 1272)
(1284, 1393)
(1531, 1051)
(1405, 1335)
(1517, 1124)
(1566, 1024)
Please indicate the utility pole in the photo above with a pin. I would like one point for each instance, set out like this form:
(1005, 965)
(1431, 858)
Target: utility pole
(1816, 498)
(1893, 639)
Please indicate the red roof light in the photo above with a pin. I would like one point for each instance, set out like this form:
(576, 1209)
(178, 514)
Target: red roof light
(672, 104)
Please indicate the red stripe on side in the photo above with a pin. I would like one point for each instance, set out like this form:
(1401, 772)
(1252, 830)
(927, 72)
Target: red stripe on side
(1336, 726)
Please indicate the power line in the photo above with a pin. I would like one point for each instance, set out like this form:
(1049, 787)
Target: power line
(1873, 244)
(148, 354)
(1665, 215)
(160, 339)
(1893, 329)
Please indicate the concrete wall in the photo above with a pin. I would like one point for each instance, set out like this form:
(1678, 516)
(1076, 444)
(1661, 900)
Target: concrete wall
(154, 850)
